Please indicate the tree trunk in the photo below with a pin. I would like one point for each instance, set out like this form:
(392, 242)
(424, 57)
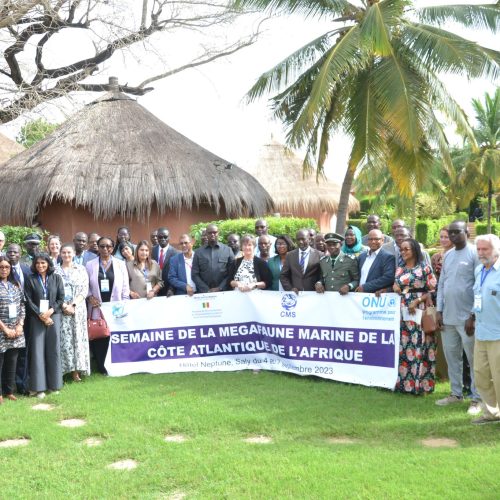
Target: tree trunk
(414, 215)
(344, 198)
(490, 196)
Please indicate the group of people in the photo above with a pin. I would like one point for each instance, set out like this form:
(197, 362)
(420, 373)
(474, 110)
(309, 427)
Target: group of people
(64, 287)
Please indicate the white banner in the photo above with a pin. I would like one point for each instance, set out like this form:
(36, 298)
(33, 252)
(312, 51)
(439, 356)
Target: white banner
(352, 338)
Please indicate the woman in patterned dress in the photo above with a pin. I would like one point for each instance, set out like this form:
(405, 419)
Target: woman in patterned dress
(249, 272)
(12, 315)
(415, 282)
(75, 358)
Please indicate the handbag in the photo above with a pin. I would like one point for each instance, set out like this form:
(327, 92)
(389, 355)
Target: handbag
(97, 328)
(429, 321)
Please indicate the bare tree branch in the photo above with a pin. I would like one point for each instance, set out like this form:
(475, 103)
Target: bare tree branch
(110, 25)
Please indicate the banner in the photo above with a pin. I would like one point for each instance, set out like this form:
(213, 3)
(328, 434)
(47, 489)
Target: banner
(352, 338)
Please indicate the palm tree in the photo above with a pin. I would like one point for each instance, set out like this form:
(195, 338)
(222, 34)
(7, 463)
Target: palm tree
(376, 75)
(483, 161)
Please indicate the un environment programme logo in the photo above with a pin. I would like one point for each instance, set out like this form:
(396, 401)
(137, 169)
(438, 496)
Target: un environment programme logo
(385, 301)
(288, 303)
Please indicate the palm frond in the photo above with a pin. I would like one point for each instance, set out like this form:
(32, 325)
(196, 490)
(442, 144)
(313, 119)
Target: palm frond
(363, 121)
(343, 59)
(289, 69)
(309, 8)
(401, 95)
(442, 51)
(485, 16)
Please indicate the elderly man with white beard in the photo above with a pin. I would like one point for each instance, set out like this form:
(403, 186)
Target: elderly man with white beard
(486, 312)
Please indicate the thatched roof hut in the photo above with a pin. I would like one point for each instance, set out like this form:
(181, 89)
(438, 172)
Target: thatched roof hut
(8, 148)
(120, 163)
(280, 171)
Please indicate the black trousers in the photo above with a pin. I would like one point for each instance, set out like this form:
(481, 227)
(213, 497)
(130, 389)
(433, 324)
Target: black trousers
(22, 370)
(8, 361)
(99, 349)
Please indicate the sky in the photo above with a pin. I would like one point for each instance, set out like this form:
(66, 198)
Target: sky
(207, 103)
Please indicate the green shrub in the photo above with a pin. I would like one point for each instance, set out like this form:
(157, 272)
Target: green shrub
(276, 225)
(16, 234)
(481, 228)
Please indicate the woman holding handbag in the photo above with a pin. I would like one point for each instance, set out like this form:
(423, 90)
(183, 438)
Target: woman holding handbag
(108, 282)
(415, 283)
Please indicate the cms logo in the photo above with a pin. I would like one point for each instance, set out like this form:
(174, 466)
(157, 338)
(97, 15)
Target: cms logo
(382, 302)
(288, 303)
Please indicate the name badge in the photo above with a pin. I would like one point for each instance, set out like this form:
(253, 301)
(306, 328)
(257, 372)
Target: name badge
(478, 302)
(104, 285)
(12, 311)
(149, 287)
(44, 306)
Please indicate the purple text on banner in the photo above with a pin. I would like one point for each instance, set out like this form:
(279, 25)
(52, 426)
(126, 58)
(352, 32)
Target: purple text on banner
(373, 347)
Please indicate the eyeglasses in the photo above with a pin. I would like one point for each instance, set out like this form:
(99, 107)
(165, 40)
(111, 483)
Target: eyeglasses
(105, 246)
(163, 237)
(374, 239)
(405, 249)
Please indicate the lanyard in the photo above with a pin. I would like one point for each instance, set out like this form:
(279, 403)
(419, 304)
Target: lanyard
(107, 267)
(484, 275)
(44, 286)
(189, 262)
(145, 272)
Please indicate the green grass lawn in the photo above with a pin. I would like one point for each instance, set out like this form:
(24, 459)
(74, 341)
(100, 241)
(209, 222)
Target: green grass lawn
(216, 411)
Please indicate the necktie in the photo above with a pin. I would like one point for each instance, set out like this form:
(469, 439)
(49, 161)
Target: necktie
(16, 275)
(161, 259)
(302, 261)
(400, 260)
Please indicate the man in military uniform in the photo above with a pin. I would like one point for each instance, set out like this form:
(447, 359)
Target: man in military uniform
(339, 271)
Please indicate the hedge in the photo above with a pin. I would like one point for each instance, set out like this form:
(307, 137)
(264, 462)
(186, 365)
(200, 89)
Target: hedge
(427, 230)
(276, 225)
(16, 234)
(481, 228)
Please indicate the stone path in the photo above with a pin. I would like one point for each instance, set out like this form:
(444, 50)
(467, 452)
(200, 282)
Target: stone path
(439, 443)
(127, 464)
(72, 422)
(12, 443)
(258, 440)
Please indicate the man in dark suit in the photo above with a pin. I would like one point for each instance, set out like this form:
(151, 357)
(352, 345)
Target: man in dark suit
(162, 253)
(301, 269)
(21, 272)
(179, 272)
(211, 263)
(82, 255)
(377, 267)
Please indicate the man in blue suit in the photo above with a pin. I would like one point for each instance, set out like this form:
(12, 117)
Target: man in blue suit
(179, 271)
(377, 267)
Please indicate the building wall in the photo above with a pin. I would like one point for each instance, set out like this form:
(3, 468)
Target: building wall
(65, 220)
(326, 220)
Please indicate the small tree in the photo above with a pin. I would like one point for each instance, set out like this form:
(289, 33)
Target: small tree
(35, 131)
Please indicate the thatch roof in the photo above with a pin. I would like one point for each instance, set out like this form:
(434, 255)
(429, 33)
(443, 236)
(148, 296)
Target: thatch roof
(280, 172)
(8, 148)
(116, 158)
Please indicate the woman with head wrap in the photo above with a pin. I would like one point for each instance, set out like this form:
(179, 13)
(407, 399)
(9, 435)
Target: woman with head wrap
(352, 242)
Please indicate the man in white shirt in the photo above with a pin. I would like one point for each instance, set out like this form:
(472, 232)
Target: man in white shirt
(377, 267)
